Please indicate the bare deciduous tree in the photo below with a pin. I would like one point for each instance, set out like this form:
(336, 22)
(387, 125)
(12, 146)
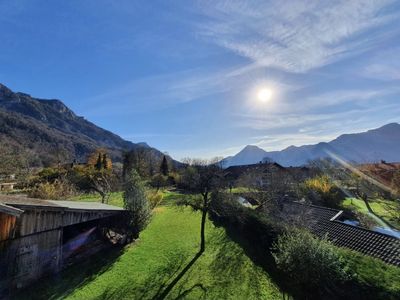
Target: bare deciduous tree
(201, 177)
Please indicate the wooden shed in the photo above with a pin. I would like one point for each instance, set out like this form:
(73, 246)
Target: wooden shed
(38, 236)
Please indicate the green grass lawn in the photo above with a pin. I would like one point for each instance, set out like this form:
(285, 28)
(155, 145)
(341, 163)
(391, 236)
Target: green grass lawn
(379, 207)
(237, 190)
(143, 270)
(115, 198)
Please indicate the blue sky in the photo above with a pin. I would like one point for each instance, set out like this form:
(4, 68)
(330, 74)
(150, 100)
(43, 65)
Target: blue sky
(184, 75)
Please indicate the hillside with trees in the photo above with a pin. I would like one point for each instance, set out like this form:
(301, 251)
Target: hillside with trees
(46, 132)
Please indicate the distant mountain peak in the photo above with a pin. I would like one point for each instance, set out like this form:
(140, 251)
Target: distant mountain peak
(251, 148)
(389, 127)
(250, 154)
(374, 145)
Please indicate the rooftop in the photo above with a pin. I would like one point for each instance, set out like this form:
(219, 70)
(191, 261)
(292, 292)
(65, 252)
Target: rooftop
(325, 223)
(25, 202)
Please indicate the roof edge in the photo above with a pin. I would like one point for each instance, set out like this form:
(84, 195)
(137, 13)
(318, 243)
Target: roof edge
(10, 210)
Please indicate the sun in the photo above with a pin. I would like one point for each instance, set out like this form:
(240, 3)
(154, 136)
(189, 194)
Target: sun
(264, 95)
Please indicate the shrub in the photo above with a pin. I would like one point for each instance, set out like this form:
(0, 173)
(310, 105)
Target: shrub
(135, 201)
(314, 266)
(158, 181)
(58, 190)
(374, 279)
(154, 198)
(173, 178)
(322, 191)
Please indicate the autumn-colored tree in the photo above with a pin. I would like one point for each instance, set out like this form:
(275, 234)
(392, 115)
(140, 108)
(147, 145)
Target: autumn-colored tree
(99, 159)
(322, 191)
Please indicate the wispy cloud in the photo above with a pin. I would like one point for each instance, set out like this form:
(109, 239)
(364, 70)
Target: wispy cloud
(353, 96)
(294, 36)
(158, 92)
(166, 90)
(294, 129)
(384, 66)
(299, 120)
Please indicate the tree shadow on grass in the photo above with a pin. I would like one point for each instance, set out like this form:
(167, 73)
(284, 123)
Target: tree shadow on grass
(158, 284)
(184, 293)
(260, 257)
(64, 283)
(162, 294)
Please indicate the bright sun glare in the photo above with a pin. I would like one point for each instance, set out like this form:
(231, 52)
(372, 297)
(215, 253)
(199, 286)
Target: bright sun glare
(264, 95)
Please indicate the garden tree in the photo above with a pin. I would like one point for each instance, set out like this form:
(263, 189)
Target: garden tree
(140, 159)
(101, 182)
(136, 203)
(99, 159)
(97, 175)
(365, 187)
(99, 163)
(321, 190)
(158, 181)
(268, 186)
(106, 162)
(164, 166)
(201, 177)
(313, 266)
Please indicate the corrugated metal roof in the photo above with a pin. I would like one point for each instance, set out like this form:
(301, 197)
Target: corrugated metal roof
(20, 201)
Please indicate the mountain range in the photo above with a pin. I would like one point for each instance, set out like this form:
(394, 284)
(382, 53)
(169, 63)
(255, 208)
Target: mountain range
(374, 145)
(47, 131)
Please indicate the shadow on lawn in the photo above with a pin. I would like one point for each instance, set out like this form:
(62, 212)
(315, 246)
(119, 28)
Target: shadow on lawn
(258, 256)
(158, 285)
(168, 289)
(64, 283)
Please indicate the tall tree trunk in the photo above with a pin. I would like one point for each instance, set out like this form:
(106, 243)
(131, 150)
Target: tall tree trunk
(202, 232)
(203, 223)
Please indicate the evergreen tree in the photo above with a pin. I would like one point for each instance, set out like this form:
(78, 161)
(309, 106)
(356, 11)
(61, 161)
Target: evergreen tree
(99, 163)
(136, 203)
(164, 166)
(105, 161)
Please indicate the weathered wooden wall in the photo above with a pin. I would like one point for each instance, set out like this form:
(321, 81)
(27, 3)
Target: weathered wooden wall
(31, 244)
(24, 260)
(7, 226)
(39, 220)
